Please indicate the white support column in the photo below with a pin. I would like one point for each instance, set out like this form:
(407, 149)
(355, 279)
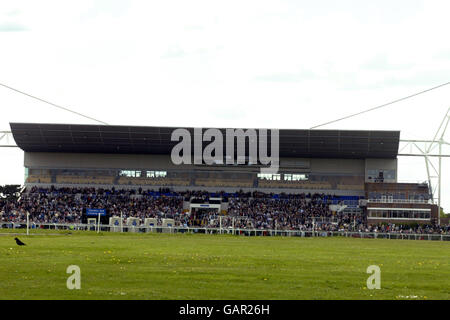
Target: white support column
(98, 222)
(28, 223)
(121, 222)
(439, 182)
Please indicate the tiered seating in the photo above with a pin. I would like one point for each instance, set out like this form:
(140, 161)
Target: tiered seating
(350, 187)
(310, 185)
(294, 211)
(223, 183)
(39, 179)
(153, 181)
(73, 179)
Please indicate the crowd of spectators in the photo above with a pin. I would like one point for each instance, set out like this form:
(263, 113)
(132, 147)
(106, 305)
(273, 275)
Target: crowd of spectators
(66, 205)
(255, 210)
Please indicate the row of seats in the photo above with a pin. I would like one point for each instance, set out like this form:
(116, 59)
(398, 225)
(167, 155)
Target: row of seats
(84, 179)
(153, 181)
(39, 179)
(294, 184)
(350, 187)
(224, 183)
(203, 182)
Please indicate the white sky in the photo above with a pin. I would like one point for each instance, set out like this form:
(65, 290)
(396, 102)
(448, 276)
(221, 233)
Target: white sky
(275, 64)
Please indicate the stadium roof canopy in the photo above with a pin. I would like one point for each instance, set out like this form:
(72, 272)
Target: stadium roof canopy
(37, 137)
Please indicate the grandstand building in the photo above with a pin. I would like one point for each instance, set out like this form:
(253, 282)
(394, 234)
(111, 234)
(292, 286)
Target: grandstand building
(358, 167)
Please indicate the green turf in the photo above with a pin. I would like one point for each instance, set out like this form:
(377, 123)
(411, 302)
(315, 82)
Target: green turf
(162, 266)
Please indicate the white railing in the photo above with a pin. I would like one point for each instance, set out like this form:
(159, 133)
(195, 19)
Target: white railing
(399, 201)
(230, 231)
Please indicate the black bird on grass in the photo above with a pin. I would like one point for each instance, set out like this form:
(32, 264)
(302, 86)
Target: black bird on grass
(20, 243)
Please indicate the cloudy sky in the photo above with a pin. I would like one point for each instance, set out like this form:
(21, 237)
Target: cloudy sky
(271, 64)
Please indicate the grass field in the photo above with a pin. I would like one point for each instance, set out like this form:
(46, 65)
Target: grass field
(161, 266)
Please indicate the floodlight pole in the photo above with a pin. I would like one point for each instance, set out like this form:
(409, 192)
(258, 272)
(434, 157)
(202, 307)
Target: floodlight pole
(424, 148)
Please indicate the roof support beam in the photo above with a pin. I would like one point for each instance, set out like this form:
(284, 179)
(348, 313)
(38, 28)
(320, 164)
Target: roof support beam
(7, 140)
